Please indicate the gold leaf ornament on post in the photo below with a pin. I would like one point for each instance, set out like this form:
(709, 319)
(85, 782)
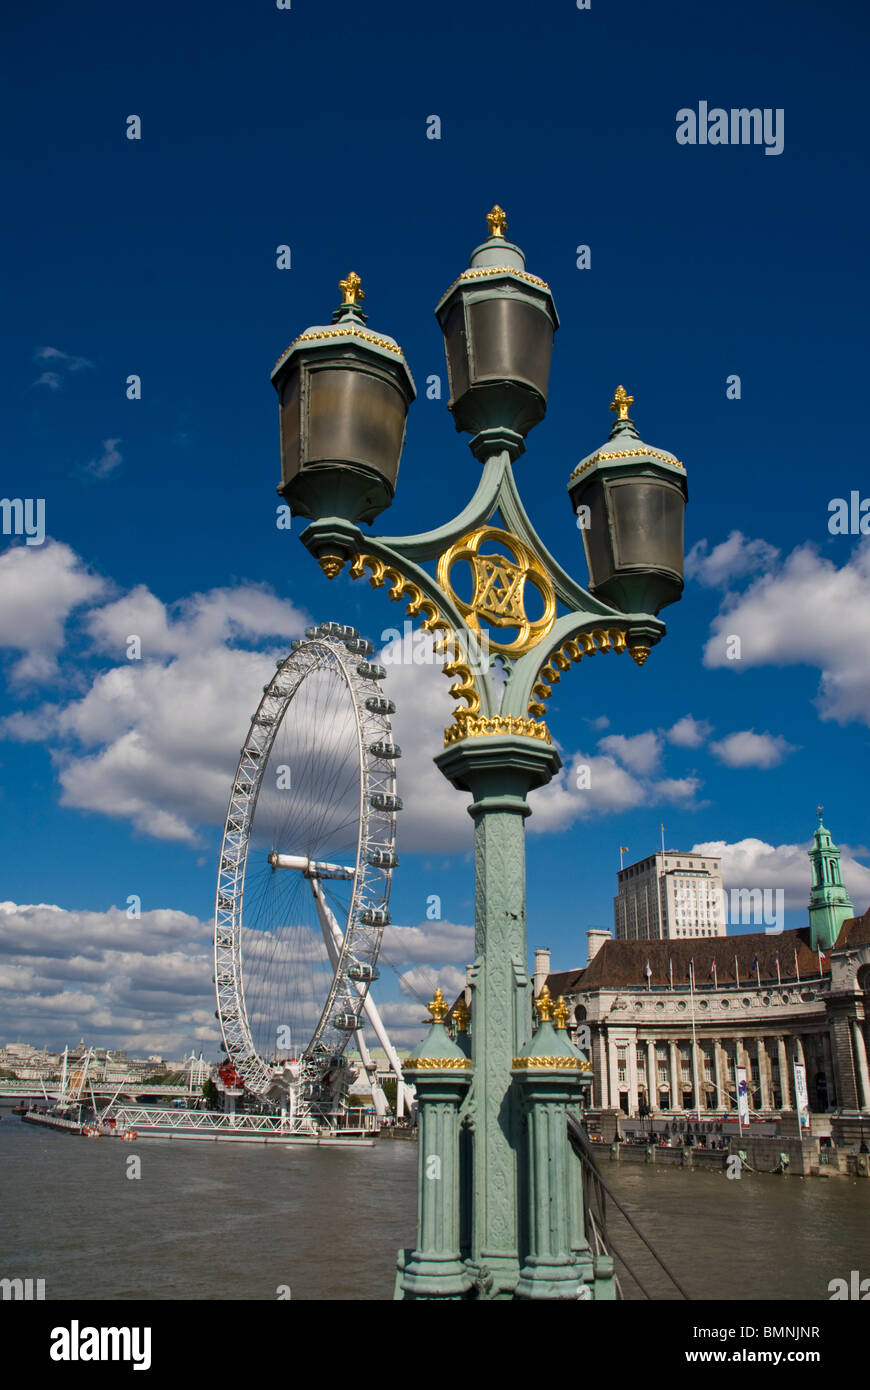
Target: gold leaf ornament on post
(497, 221)
(544, 1005)
(498, 597)
(438, 1006)
(352, 289)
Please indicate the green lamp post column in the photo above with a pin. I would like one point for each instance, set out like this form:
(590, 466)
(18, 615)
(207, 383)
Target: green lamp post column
(441, 1073)
(499, 772)
(344, 396)
(548, 1078)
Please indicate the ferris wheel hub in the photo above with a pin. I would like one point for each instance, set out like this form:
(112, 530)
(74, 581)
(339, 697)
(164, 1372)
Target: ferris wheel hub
(311, 868)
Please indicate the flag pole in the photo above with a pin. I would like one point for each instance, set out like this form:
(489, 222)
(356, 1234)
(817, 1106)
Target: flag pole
(737, 971)
(778, 972)
(695, 1068)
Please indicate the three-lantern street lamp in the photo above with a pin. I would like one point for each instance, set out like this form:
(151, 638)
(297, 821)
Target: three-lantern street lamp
(500, 1204)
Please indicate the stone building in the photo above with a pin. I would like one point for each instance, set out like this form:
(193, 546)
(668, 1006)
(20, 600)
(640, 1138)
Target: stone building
(673, 893)
(669, 1020)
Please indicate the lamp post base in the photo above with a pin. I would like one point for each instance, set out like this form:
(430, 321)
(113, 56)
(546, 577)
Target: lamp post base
(428, 1277)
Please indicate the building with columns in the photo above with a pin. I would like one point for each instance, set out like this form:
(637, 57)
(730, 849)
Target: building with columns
(670, 1020)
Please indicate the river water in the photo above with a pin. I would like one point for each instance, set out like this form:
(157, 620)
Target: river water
(238, 1221)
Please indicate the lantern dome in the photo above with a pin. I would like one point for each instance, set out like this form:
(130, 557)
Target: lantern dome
(344, 394)
(498, 323)
(630, 501)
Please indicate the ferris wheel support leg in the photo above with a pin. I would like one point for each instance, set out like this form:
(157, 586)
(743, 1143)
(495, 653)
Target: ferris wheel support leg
(333, 937)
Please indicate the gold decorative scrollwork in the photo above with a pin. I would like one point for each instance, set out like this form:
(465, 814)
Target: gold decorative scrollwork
(584, 644)
(482, 727)
(499, 588)
(444, 635)
(551, 1063)
(436, 1064)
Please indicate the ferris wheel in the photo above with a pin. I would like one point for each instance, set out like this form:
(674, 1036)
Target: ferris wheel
(304, 877)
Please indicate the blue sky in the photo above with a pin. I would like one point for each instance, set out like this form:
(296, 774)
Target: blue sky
(156, 257)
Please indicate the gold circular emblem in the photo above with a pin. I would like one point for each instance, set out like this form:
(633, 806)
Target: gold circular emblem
(499, 588)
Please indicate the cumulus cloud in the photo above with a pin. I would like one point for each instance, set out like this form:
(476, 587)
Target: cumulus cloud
(640, 752)
(789, 617)
(689, 732)
(143, 984)
(731, 559)
(40, 586)
(753, 863)
(746, 748)
(153, 740)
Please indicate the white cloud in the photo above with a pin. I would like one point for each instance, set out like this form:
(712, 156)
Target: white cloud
(431, 942)
(731, 559)
(50, 379)
(155, 740)
(689, 732)
(61, 362)
(808, 612)
(63, 359)
(678, 789)
(752, 863)
(108, 460)
(746, 748)
(40, 586)
(143, 984)
(422, 980)
(639, 752)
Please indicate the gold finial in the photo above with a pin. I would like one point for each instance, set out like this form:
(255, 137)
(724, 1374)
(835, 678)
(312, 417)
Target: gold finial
(497, 221)
(438, 1006)
(620, 403)
(461, 1015)
(639, 654)
(544, 1005)
(351, 288)
(561, 1012)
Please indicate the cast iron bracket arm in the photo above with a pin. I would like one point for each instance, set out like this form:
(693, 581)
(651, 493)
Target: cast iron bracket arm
(424, 597)
(428, 545)
(516, 518)
(573, 636)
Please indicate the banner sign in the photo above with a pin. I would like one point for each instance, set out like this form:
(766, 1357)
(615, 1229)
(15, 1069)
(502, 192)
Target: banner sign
(742, 1096)
(802, 1104)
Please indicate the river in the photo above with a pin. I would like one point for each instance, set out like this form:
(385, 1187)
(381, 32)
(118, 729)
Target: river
(238, 1221)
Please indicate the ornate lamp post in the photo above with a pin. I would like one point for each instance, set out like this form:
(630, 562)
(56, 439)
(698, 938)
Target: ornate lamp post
(344, 396)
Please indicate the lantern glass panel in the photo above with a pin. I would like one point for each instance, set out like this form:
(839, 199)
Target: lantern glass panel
(512, 340)
(457, 359)
(355, 417)
(290, 425)
(647, 524)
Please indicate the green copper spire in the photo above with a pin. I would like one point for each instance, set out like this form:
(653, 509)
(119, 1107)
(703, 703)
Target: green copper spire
(830, 905)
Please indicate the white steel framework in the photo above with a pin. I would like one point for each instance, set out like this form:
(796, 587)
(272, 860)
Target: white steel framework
(334, 654)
